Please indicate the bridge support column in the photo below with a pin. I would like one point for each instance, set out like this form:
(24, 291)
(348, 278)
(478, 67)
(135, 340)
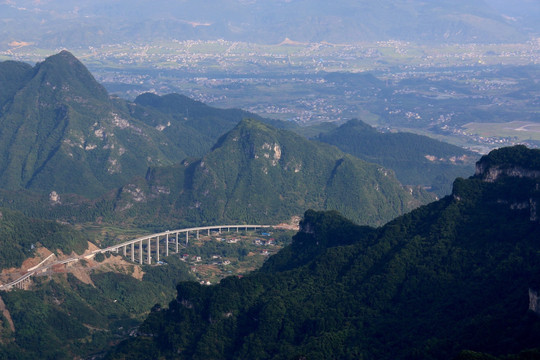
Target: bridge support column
(167, 245)
(132, 252)
(237, 229)
(197, 234)
(219, 230)
(140, 252)
(187, 238)
(148, 251)
(177, 243)
(208, 232)
(157, 248)
(125, 250)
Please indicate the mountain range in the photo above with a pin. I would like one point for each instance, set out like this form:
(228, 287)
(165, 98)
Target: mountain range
(49, 24)
(416, 159)
(457, 278)
(62, 132)
(169, 159)
(257, 173)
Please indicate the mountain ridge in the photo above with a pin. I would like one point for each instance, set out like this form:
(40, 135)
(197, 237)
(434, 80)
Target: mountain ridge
(62, 132)
(416, 159)
(71, 128)
(256, 173)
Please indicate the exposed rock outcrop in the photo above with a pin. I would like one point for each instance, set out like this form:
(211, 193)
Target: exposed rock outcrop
(492, 173)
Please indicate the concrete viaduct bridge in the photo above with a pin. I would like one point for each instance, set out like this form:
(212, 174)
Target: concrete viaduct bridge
(153, 241)
(136, 248)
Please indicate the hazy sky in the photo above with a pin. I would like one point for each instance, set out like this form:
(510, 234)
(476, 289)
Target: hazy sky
(72, 22)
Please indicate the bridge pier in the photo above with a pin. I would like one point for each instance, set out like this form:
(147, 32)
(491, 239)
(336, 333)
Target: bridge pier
(148, 251)
(157, 248)
(211, 230)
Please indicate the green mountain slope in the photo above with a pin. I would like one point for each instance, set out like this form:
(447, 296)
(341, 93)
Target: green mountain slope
(61, 132)
(256, 173)
(21, 235)
(452, 275)
(416, 159)
(64, 318)
(191, 125)
(12, 76)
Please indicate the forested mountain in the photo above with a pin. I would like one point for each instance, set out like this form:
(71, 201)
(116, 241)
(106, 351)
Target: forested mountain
(458, 274)
(65, 318)
(60, 130)
(20, 236)
(259, 174)
(87, 155)
(416, 159)
(192, 125)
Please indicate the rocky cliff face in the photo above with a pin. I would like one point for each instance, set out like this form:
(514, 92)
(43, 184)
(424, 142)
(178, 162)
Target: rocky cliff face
(492, 173)
(517, 171)
(534, 301)
(515, 161)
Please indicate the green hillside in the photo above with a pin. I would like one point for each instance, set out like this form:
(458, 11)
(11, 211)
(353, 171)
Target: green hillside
(64, 318)
(12, 76)
(416, 159)
(450, 276)
(61, 132)
(104, 157)
(21, 235)
(259, 174)
(192, 125)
